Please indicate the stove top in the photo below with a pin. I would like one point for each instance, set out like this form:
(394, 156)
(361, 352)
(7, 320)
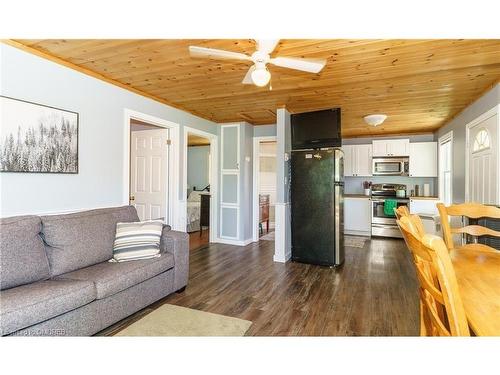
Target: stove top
(387, 190)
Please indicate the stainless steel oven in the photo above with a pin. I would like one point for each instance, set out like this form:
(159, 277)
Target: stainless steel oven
(390, 166)
(382, 224)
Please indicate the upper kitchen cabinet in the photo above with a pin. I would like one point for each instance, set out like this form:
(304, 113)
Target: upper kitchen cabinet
(423, 159)
(357, 160)
(391, 147)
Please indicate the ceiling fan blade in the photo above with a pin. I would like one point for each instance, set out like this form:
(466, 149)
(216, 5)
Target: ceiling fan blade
(306, 65)
(248, 77)
(267, 45)
(213, 53)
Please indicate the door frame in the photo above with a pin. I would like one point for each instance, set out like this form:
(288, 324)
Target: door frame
(172, 209)
(255, 188)
(212, 179)
(492, 112)
(444, 138)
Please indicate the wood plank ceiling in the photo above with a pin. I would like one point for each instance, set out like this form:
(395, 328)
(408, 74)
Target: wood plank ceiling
(419, 84)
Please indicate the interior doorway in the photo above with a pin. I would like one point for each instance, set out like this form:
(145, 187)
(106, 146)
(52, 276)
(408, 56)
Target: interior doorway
(200, 186)
(168, 179)
(149, 146)
(264, 188)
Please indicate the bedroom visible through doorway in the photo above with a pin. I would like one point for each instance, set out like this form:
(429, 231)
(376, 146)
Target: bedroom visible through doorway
(198, 195)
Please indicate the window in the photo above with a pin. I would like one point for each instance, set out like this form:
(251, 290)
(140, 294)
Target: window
(445, 168)
(482, 141)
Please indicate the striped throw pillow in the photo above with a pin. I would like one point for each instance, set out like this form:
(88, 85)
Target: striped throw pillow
(137, 240)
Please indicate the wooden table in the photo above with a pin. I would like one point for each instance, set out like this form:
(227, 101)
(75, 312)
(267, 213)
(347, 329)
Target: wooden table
(478, 276)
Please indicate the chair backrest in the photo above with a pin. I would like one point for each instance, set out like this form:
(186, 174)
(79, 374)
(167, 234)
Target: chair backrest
(443, 311)
(470, 210)
(401, 211)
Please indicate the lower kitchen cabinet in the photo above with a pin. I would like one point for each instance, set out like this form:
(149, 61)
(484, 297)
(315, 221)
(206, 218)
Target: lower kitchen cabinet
(358, 216)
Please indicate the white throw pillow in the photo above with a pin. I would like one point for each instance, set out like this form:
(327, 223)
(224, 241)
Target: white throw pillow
(137, 240)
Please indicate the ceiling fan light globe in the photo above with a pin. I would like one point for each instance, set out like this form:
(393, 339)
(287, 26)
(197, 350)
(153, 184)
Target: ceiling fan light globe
(261, 77)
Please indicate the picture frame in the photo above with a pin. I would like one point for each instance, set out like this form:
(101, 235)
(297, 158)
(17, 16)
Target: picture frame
(37, 138)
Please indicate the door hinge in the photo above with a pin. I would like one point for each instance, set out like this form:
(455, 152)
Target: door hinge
(169, 142)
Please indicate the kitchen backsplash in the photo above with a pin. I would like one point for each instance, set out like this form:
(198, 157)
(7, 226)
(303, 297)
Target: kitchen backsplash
(354, 185)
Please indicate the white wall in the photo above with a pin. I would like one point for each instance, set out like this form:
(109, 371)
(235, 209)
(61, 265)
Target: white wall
(101, 107)
(197, 167)
(486, 102)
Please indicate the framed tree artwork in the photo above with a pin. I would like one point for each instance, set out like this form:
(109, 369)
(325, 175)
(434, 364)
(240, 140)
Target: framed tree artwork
(35, 138)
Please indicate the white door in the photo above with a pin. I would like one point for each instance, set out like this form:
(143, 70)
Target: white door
(423, 159)
(363, 160)
(398, 147)
(348, 160)
(483, 161)
(149, 173)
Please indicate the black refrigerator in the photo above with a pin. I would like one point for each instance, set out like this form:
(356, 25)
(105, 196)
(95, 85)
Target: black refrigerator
(317, 206)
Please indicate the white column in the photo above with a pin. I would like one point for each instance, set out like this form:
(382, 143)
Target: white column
(283, 238)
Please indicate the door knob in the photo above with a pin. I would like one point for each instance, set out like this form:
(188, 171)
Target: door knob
(132, 198)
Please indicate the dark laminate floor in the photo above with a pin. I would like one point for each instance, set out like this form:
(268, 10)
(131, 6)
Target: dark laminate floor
(373, 294)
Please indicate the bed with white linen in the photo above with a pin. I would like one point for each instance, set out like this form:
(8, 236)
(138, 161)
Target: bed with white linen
(193, 211)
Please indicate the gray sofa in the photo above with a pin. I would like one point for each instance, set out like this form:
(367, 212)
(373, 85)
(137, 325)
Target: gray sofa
(55, 278)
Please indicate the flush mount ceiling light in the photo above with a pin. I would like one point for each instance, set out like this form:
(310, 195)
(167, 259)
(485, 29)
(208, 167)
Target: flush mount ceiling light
(375, 120)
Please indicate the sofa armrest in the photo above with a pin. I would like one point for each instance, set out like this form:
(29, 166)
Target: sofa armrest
(177, 244)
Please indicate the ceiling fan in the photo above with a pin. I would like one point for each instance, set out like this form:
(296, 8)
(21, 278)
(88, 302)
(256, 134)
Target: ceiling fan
(258, 74)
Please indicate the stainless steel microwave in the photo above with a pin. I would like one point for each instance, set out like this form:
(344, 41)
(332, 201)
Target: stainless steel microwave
(390, 166)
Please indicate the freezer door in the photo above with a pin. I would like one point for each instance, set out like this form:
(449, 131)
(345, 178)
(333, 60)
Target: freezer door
(313, 207)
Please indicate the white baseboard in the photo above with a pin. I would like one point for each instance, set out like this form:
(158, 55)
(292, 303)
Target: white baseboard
(233, 242)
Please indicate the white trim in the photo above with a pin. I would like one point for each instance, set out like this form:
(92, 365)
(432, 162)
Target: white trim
(172, 214)
(212, 179)
(492, 112)
(233, 242)
(282, 242)
(236, 172)
(255, 187)
(443, 139)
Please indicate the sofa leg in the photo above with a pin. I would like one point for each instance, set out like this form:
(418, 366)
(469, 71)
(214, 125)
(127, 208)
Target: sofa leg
(180, 290)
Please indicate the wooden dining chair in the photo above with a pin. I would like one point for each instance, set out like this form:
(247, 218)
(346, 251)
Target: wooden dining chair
(401, 211)
(472, 211)
(442, 312)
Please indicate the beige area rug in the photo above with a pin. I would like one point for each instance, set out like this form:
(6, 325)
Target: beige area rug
(171, 320)
(351, 241)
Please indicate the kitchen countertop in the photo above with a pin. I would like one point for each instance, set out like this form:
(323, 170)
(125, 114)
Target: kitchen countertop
(357, 196)
(369, 196)
(423, 198)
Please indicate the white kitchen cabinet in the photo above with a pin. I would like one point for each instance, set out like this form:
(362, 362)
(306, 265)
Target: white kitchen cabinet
(357, 160)
(348, 160)
(423, 159)
(423, 205)
(358, 216)
(391, 147)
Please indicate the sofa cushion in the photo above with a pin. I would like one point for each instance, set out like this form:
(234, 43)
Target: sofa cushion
(29, 304)
(22, 254)
(77, 242)
(111, 278)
